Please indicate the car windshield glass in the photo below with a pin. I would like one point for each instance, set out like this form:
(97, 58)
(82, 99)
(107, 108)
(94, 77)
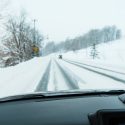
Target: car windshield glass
(61, 46)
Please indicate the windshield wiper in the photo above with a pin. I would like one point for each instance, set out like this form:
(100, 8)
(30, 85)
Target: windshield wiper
(45, 95)
(84, 93)
(23, 97)
(117, 91)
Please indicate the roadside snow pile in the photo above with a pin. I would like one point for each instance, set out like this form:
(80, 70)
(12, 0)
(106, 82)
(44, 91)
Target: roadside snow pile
(112, 54)
(22, 78)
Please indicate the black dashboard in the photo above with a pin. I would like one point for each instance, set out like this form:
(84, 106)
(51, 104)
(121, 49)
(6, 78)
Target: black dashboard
(75, 110)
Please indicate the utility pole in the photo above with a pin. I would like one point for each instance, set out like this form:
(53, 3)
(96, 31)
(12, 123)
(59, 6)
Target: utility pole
(34, 21)
(35, 48)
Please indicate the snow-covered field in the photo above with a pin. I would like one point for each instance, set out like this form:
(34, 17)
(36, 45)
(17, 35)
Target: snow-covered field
(76, 71)
(23, 77)
(111, 54)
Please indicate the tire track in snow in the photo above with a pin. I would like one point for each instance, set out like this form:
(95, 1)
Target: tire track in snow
(95, 71)
(122, 73)
(53, 83)
(43, 84)
(71, 79)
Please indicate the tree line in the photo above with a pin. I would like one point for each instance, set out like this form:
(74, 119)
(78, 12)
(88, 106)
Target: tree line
(20, 36)
(94, 36)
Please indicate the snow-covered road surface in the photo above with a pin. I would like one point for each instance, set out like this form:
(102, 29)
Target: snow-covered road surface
(72, 75)
(115, 75)
(52, 74)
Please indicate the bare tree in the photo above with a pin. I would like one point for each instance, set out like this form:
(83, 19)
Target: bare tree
(19, 39)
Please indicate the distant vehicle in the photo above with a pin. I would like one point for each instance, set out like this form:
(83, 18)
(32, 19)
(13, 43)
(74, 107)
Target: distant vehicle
(60, 56)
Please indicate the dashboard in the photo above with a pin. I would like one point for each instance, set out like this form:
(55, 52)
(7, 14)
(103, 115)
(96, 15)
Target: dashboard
(75, 110)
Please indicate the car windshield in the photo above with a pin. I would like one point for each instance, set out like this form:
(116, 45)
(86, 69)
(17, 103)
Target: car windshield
(61, 46)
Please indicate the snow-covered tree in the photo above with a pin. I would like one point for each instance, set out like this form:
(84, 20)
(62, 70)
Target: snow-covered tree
(118, 34)
(94, 53)
(97, 36)
(19, 40)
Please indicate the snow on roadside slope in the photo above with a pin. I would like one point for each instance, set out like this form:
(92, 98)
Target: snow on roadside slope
(111, 55)
(92, 80)
(22, 78)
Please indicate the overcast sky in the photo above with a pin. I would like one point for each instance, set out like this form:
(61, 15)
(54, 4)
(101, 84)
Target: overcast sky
(61, 19)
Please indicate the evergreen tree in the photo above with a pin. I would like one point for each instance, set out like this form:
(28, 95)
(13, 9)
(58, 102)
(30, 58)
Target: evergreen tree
(94, 53)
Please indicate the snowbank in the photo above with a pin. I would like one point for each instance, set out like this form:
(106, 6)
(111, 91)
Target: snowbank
(111, 54)
(23, 77)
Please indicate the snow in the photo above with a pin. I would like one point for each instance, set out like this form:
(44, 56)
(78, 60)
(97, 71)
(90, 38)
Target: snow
(94, 81)
(22, 78)
(25, 77)
(57, 81)
(111, 55)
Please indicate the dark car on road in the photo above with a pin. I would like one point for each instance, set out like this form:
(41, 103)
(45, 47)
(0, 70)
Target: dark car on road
(60, 56)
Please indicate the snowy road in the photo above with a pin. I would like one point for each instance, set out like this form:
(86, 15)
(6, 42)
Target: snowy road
(76, 71)
(52, 74)
(115, 75)
(71, 75)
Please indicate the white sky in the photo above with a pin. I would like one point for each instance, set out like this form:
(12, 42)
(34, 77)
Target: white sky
(60, 19)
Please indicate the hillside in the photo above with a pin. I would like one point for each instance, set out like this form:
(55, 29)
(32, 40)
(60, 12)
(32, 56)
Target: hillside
(108, 53)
